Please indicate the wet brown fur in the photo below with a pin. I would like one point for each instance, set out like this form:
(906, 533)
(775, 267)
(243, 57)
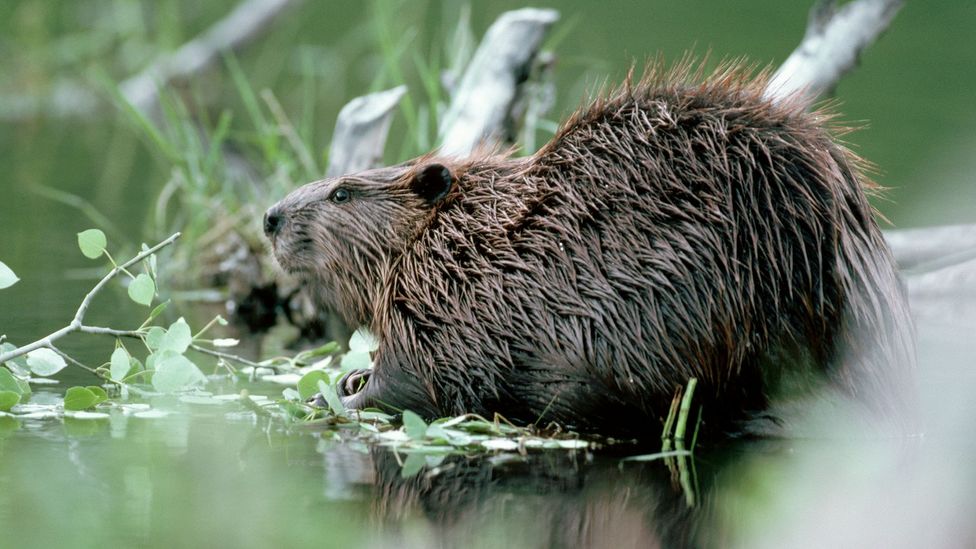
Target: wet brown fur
(681, 226)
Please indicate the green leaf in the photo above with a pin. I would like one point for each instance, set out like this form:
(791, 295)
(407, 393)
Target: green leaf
(413, 464)
(8, 382)
(154, 337)
(177, 338)
(142, 289)
(45, 362)
(79, 398)
(7, 277)
(92, 243)
(327, 349)
(331, 396)
(100, 394)
(414, 425)
(175, 372)
(362, 341)
(8, 399)
(309, 384)
(157, 310)
(151, 260)
(17, 365)
(355, 360)
(120, 364)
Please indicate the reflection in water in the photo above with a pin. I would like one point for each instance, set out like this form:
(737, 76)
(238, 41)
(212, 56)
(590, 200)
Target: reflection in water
(206, 476)
(553, 499)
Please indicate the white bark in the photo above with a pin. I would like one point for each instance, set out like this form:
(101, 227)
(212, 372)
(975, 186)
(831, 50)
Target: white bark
(241, 25)
(933, 247)
(361, 130)
(830, 48)
(490, 84)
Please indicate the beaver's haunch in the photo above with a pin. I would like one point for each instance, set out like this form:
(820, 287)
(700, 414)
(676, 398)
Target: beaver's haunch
(682, 227)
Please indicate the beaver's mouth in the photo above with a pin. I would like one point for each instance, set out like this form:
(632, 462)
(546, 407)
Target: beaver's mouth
(293, 256)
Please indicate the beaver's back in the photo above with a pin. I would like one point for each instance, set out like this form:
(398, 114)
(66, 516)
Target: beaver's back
(674, 230)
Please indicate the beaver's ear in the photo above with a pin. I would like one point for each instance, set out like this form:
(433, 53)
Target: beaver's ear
(433, 182)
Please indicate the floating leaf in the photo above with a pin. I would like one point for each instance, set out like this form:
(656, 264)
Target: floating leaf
(500, 444)
(362, 341)
(120, 364)
(177, 338)
(79, 398)
(414, 425)
(92, 243)
(8, 399)
(45, 362)
(308, 385)
(7, 277)
(100, 394)
(142, 289)
(175, 372)
(85, 415)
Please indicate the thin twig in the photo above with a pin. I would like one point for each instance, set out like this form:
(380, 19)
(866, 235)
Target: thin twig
(68, 358)
(228, 356)
(136, 334)
(76, 324)
(95, 373)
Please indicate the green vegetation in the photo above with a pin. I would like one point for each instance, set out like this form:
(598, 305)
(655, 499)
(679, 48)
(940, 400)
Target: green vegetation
(167, 368)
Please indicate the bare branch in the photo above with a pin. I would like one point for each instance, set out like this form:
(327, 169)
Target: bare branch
(830, 48)
(490, 84)
(228, 356)
(241, 25)
(70, 98)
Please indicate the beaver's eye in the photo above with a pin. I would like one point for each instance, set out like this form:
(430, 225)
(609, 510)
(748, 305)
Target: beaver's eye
(340, 195)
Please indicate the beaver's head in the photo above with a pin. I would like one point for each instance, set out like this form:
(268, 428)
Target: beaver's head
(343, 234)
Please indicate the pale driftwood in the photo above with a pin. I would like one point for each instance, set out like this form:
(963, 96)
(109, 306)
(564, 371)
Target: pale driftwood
(490, 84)
(939, 267)
(360, 132)
(932, 248)
(834, 39)
(242, 24)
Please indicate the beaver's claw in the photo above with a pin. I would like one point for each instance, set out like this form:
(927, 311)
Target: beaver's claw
(350, 384)
(353, 382)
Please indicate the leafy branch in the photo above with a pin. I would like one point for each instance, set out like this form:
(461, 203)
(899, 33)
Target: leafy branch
(89, 246)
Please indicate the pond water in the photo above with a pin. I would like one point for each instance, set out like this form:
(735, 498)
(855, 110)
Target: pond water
(218, 475)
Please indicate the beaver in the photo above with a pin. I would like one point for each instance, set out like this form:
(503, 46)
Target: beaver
(683, 225)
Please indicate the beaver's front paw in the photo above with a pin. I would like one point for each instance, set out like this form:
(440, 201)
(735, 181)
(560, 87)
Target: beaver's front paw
(353, 382)
(348, 387)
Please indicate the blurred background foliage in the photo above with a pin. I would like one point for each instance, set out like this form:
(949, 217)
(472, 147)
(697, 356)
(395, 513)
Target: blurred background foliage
(214, 156)
(63, 173)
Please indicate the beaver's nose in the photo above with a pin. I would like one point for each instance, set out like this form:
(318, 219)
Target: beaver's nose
(273, 221)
